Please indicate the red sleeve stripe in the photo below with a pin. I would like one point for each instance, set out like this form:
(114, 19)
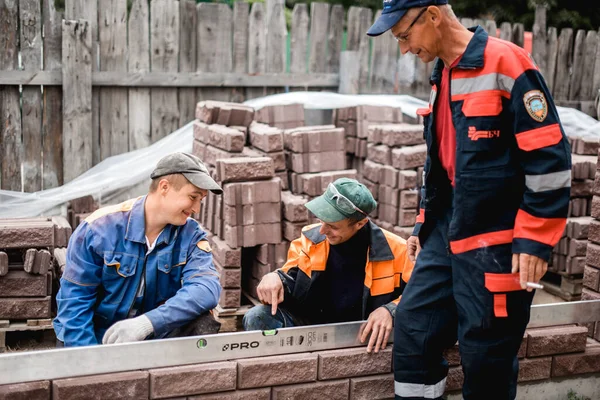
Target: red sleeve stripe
(421, 216)
(539, 138)
(483, 240)
(543, 230)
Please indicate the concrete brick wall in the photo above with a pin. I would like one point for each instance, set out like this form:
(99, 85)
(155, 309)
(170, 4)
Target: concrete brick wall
(348, 374)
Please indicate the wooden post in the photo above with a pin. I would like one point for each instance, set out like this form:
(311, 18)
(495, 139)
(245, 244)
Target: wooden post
(590, 49)
(114, 119)
(164, 57)
(77, 98)
(52, 118)
(335, 37)
(139, 61)
(551, 58)
(379, 61)
(577, 66)
(539, 46)
(563, 64)
(407, 73)
(88, 10)
(518, 34)
(10, 110)
(31, 54)
(241, 14)
(299, 39)
(276, 38)
(188, 17)
(319, 21)
(349, 72)
(257, 46)
(491, 27)
(506, 31)
(596, 80)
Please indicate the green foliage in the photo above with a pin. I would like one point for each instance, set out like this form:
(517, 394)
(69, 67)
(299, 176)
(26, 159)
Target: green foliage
(572, 395)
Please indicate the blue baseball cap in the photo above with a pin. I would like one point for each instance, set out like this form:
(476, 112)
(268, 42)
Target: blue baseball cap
(394, 10)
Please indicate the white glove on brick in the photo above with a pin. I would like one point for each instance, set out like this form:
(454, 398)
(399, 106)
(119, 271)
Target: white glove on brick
(128, 330)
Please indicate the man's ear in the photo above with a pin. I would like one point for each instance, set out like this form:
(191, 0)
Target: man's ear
(362, 223)
(434, 14)
(163, 186)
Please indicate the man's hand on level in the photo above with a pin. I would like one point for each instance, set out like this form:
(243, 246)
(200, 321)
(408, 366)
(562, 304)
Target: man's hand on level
(379, 325)
(530, 268)
(128, 330)
(270, 290)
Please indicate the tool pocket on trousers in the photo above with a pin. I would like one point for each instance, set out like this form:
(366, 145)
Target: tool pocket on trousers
(500, 285)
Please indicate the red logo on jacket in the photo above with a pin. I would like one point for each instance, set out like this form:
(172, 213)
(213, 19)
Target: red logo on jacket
(474, 134)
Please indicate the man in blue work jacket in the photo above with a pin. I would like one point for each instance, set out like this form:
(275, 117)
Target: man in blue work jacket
(493, 204)
(143, 268)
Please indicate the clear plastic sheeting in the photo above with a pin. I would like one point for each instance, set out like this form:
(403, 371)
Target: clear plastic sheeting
(119, 173)
(109, 176)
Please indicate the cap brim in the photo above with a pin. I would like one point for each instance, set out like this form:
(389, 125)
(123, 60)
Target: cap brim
(203, 181)
(324, 211)
(385, 22)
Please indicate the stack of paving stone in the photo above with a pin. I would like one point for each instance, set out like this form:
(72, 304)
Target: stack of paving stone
(392, 170)
(79, 209)
(355, 121)
(27, 271)
(315, 157)
(565, 271)
(286, 116)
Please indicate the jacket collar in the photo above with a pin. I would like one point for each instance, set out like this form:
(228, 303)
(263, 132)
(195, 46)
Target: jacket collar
(472, 57)
(379, 249)
(136, 225)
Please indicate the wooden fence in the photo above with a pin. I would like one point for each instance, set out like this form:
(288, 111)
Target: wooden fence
(99, 79)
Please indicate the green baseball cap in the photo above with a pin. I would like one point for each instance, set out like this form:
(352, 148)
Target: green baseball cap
(344, 198)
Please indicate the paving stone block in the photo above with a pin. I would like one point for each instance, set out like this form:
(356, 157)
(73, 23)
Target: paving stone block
(556, 340)
(406, 217)
(387, 214)
(293, 207)
(575, 265)
(24, 308)
(388, 176)
(274, 254)
(26, 391)
(230, 298)
(333, 390)
(253, 394)
(409, 157)
(403, 231)
(278, 157)
(192, 379)
(591, 278)
(212, 154)
(292, 230)
(455, 379)
(230, 278)
(582, 188)
(18, 283)
(587, 294)
(245, 169)
(15, 234)
(62, 231)
(593, 232)
(252, 235)
(252, 214)
(345, 363)
(372, 387)
(575, 364)
(316, 162)
(372, 171)
(409, 199)
(315, 184)
(452, 355)
(407, 179)
(593, 255)
(266, 138)
(122, 385)
(381, 154)
(3, 263)
(247, 193)
(225, 138)
(534, 369)
(315, 139)
(199, 150)
(225, 255)
(396, 135)
(277, 370)
(389, 196)
(212, 112)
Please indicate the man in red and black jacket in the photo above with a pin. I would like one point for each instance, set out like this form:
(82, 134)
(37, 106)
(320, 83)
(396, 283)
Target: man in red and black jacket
(494, 203)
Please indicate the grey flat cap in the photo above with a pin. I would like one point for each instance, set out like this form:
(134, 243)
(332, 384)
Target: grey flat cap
(189, 166)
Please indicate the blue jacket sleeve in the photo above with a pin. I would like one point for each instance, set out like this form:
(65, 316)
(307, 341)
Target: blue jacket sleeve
(199, 292)
(78, 289)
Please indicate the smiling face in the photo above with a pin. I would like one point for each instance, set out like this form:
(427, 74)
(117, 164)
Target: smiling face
(179, 199)
(421, 38)
(341, 231)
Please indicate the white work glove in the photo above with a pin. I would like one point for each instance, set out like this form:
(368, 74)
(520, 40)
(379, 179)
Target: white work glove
(128, 330)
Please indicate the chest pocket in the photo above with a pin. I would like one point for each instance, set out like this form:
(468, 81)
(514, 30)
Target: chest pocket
(383, 278)
(482, 129)
(117, 274)
(170, 267)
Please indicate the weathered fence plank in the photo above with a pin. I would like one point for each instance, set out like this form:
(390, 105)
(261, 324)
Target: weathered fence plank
(52, 115)
(406, 73)
(491, 27)
(506, 31)
(379, 61)
(114, 119)
(359, 21)
(319, 21)
(257, 46)
(276, 41)
(139, 61)
(88, 10)
(164, 45)
(539, 45)
(349, 72)
(214, 45)
(335, 36)
(77, 98)
(299, 39)
(31, 100)
(577, 66)
(11, 142)
(188, 17)
(563, 65)
(518, 34)
(467, 22)
(551, 58)
(586, 91)
(241, 14)
(596, 80)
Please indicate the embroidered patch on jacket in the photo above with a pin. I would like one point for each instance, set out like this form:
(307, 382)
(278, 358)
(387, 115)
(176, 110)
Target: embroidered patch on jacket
(204, 246)
(535, 104)
(474, 134)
